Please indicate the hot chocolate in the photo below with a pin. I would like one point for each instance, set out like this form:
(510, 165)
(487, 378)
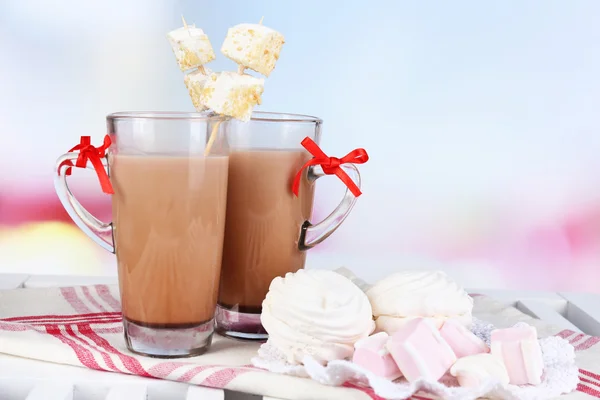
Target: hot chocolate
(168, 221)
(264, 221)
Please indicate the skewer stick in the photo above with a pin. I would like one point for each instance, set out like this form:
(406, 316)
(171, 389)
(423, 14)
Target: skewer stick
(213, 137)
(213, 134)
(261, 20)
(202, 70)
(185, 25)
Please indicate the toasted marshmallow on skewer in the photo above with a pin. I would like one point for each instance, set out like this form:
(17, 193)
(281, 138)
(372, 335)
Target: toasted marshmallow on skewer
(191, 47)
(226, 93)
(195, 82)
(253, 46)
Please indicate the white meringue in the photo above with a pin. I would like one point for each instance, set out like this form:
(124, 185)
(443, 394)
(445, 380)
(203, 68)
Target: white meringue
(383, 323)
(409, 294)
(315, 312)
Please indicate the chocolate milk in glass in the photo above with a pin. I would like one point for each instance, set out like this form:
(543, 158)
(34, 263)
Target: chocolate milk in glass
(168, 215)
(263, 224)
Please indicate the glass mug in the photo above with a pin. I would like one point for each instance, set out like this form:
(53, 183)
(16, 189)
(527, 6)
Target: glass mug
(168, 210)
(267, 228)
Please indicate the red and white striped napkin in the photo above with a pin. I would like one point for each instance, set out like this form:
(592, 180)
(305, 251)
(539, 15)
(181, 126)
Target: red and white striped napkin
(82, 326)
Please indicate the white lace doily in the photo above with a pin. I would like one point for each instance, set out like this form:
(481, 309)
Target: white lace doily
(560, 374)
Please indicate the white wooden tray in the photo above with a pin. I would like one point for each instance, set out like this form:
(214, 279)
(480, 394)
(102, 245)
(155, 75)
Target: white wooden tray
(35, 380)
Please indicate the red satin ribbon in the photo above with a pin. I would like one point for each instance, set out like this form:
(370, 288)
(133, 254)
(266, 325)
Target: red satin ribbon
(94, 155)
(331, 165)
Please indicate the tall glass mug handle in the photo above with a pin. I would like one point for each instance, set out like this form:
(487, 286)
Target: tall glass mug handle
(100, 232)
(311, 235)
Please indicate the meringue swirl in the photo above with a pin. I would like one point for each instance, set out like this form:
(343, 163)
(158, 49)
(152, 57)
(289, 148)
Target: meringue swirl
(430, 294)
(315, 312)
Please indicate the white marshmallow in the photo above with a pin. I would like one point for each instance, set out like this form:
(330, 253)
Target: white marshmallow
(253, 46)
(191, 47)
(472, 371)
(226, 93)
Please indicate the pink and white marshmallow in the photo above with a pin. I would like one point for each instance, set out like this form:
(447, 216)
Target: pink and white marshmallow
(521, 353)
(420, 351)
(371, 354)
(462, 341)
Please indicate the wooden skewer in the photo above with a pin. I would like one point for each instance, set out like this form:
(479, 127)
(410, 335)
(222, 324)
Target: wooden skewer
(185, 25)
(202, 70)
(212, 138)
(213, 134)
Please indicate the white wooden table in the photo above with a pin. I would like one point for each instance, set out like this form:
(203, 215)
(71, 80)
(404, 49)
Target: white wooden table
(35, 380)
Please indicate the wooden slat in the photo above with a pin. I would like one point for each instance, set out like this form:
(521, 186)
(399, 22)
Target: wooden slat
(364, 286)
(512, 297)
(583, 310)
(229, 395)
(14, 388)
(541, 310)
(204, 393)
(51, 391)
(129, 392)
(21, 374)
(12, 281)
(37, 281)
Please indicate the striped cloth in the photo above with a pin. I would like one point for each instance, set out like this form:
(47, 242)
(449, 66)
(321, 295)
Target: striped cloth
(82, 326)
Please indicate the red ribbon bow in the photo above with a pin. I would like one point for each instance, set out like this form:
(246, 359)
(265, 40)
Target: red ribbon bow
(94, 155)
(331, 165)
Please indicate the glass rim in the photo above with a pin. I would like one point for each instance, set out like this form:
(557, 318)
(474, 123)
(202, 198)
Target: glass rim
(258, 116)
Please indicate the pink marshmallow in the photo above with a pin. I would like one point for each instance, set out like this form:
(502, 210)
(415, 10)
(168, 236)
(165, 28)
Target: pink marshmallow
(371, 354)
(462, 341)
(420, 352)
(520, 350)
